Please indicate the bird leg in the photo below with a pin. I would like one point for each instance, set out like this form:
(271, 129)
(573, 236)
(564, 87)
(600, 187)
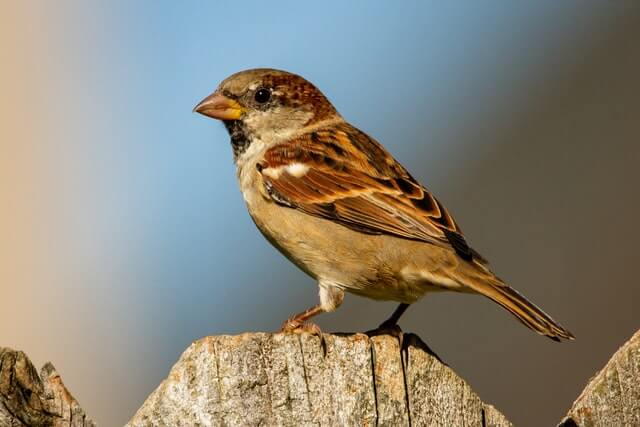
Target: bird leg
(298, 323)
(331, 297)
(395, 316)
(390, 326)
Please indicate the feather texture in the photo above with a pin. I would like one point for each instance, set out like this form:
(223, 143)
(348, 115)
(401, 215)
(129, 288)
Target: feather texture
(339, 206)
(348, 177)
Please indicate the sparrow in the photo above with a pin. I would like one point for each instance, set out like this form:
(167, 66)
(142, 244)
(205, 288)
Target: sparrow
(340, 207)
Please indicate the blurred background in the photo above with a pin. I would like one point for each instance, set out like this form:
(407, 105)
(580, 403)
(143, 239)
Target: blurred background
(124, 237)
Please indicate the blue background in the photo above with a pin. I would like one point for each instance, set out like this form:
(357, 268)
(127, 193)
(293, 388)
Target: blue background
(126, 236)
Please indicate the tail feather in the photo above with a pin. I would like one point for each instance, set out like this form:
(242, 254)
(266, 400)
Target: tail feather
(524, 310)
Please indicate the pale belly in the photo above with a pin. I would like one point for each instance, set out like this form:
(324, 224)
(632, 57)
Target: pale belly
(374, 266)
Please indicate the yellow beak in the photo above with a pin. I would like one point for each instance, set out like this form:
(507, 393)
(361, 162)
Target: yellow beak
(219, 107)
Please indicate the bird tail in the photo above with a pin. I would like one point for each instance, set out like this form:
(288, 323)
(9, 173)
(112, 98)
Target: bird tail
(524, 310)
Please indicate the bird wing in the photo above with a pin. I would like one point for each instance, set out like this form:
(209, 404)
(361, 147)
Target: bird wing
(341, 174)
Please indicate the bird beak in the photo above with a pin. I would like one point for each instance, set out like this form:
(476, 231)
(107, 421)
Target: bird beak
(219, 107)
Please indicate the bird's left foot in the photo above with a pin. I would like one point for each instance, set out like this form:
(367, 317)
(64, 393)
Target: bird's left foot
(388, 328)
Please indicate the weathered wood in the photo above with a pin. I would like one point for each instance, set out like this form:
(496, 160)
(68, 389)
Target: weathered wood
(32, 400)
(612, 397)
(290, 379)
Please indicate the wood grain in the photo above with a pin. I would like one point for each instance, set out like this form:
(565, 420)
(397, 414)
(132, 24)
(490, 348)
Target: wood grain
(296, 379)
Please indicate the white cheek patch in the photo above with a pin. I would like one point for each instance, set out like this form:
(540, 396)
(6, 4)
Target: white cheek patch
(297, 169)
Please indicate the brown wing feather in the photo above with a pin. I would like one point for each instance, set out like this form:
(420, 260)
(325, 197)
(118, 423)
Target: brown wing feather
(346, 176)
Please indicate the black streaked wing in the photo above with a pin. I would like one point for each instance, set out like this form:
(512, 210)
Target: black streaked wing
(341, 174)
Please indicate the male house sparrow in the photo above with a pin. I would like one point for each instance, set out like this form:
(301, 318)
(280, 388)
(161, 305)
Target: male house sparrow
(341, 208)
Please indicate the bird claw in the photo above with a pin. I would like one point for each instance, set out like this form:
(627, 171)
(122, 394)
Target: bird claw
(297, 327)
(385, 328)
(293, 326)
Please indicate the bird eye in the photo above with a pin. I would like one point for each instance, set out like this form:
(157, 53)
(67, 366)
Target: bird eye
(262, 95)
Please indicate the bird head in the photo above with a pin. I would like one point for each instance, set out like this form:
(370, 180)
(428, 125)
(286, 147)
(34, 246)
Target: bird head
(266, 104)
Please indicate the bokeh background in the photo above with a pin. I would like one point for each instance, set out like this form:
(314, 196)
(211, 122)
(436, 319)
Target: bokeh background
(123, 236)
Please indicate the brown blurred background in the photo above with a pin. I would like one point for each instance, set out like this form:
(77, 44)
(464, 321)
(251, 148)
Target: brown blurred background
(123, 236)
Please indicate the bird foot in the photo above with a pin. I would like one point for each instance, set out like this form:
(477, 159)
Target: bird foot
(295, 326)
(387, 328)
